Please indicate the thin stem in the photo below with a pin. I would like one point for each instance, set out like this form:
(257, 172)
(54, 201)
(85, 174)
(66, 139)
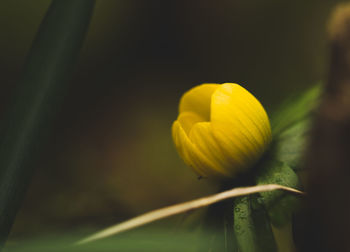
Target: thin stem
(181, 208)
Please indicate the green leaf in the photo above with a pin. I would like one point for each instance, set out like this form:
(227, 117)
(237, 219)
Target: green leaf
(291, 126)
(289, 146)
(295, 109)
(44, 80)
(279, 205)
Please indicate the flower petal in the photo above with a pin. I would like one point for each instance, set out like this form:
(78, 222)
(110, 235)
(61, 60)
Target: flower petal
(190, 153)
(187, 119)
(238, 117)
(198, 99)
(202, 137)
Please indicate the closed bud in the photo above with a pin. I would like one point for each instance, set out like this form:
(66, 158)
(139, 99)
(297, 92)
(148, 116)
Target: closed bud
(221, 130)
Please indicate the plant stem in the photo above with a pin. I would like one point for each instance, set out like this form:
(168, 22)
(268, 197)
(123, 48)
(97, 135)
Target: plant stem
(284, 237)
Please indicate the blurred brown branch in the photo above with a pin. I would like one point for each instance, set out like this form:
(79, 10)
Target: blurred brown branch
(328, 218)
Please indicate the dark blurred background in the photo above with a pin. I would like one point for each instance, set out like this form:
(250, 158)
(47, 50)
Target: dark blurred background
(112, 155)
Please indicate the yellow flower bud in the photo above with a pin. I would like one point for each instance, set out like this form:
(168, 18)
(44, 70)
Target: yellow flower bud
(221, 130)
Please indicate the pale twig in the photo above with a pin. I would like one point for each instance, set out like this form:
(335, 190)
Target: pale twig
(181, 208)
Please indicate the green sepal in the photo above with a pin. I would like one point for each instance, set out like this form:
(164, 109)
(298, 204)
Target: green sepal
(278, 204)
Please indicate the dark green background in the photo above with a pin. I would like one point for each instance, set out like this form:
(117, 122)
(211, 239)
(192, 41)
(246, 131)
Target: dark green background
(112, 156)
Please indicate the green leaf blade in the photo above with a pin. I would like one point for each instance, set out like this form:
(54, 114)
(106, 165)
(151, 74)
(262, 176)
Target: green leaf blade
(295, 109)
(40, 92)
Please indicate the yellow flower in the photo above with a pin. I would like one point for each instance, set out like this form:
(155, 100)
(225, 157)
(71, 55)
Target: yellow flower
(221, 130)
